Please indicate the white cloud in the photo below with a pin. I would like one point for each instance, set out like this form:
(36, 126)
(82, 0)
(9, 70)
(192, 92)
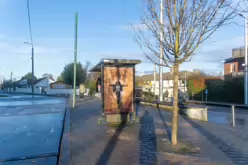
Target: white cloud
(207, 58)
(218, 51)
(38, 50)
(48, 59)
(141, 27)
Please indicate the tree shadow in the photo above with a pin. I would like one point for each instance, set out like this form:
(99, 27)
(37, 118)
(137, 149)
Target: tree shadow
(233, 154)
(168, 130)
(106, 154)
(147, 137)
(137, 107)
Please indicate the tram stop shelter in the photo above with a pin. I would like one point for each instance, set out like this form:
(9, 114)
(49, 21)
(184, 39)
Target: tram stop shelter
(117, 89)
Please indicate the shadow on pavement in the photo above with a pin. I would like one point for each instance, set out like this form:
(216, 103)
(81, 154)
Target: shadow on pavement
(86, 99)
(137, 105)
(105, 156)
(147, 137)
(234, 155)
(164, 123)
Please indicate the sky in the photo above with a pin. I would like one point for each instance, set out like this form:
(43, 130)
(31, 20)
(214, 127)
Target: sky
(103, 32)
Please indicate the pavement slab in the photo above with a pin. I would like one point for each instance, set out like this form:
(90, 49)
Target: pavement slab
(141, 143)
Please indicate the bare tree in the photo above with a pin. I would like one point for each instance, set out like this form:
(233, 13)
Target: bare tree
(48, 75)
(87, 67)
(242, 6)
(188, 23)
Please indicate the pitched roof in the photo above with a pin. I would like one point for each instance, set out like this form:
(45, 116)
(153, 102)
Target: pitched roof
(29, 81)
(114, 62)
(166, 76)
(228, 60)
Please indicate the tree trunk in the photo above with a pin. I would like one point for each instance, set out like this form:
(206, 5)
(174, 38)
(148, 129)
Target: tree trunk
(175, 106)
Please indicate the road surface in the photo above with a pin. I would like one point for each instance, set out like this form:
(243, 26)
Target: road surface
(30, 129)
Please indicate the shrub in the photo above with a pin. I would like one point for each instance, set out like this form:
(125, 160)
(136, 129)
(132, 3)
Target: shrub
(229, 90)
(92, 87)
(196, 85)
(148, 96)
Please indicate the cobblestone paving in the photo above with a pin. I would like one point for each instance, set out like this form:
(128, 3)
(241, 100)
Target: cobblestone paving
(148, 146)
(139, 144)
(235, 155)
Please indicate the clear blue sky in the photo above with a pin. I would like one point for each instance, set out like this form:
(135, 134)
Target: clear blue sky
(103, 32)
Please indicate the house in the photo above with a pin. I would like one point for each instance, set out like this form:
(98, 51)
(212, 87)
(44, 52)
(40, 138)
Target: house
(233, 66)
(146, 83)
(59, 85)
(25, 85)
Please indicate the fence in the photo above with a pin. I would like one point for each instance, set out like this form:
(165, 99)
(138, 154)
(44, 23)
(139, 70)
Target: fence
(199, 96)
(48, 91)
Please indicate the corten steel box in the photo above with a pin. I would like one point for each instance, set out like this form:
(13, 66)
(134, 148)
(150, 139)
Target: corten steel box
(117, 88)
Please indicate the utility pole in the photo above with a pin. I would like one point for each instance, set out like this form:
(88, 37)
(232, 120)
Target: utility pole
(31, 43)
(154, 80)
(75, 60)
(11, 74)
(161, 51)
(32, 71)
(246, 73)
(185, 79)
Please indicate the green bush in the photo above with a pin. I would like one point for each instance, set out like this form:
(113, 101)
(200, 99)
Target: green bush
(92, 88)
(148, 96)
(229, 90)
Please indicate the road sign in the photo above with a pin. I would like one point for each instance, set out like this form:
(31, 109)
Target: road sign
(206, 91)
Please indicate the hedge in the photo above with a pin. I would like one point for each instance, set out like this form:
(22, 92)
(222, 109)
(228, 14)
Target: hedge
(229, 90)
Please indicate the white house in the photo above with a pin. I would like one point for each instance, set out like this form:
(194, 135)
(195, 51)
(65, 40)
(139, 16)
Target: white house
(43, 84)
(168, 83)
(40, 85)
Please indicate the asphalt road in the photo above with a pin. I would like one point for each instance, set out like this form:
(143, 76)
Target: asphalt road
(223, 115)
(30, 129)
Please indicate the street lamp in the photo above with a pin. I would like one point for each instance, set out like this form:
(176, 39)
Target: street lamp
(32, 58)
(246, 55)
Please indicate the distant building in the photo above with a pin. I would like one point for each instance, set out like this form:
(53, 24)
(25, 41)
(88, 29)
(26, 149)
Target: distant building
(146, 83)
(60, 85)
(39, 84)
(233, 66)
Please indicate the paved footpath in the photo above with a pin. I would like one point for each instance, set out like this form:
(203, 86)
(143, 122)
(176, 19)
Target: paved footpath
(144, 142)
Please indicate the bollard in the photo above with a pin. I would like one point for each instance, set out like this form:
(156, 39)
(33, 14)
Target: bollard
(233, 116)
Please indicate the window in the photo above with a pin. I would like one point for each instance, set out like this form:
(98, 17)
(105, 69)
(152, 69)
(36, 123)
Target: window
(232, 68)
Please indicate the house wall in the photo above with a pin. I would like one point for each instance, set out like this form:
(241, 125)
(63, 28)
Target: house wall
(228, 66)
(44, 83)
(49, 91)
(168, 86)
(239, 68)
